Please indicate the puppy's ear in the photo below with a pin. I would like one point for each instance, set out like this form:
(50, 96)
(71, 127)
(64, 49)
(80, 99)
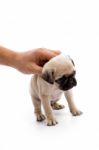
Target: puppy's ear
(49, 76)
(71, 60)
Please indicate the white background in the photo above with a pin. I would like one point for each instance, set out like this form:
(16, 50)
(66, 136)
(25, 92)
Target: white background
(73, 27)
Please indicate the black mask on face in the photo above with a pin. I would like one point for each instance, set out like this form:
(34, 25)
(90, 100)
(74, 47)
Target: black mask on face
(67, 82)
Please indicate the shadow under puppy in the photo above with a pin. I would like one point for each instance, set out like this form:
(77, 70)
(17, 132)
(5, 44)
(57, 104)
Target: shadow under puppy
(58, 76)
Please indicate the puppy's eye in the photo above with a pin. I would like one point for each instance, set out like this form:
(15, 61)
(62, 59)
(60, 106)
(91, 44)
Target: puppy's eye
(74, 72)
(61, 80)
(72, 75)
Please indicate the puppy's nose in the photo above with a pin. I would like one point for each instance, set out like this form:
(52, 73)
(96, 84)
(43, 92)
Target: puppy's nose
(74, 82)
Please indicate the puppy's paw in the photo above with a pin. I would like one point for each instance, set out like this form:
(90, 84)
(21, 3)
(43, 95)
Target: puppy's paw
(57, 106)
(51, 122)
(40, 117)
(77, 113)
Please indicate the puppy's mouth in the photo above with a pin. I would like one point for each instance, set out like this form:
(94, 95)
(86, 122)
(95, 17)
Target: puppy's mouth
(66, 83)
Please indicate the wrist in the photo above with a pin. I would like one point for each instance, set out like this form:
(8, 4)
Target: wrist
(13, 59)
(8, 57)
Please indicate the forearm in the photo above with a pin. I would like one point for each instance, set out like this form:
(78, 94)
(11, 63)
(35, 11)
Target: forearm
(28, 62)
(7, 57)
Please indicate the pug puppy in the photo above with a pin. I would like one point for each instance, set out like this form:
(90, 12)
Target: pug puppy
(58, 76)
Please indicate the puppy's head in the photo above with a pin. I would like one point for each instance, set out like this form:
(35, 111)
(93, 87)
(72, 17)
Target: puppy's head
(61, 71)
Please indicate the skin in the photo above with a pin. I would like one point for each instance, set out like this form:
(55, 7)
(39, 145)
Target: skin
(29, 62)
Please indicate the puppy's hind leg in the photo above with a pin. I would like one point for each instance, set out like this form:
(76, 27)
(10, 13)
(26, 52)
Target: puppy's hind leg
(37, 109)
(56, 106)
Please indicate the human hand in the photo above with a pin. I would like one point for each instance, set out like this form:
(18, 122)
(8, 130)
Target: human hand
(31, 62)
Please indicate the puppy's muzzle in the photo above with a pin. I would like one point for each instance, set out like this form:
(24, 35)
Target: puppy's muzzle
(66, 83)
(72, 82)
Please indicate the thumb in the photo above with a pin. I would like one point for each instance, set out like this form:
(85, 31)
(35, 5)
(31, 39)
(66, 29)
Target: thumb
(36, 69)
(57, 52)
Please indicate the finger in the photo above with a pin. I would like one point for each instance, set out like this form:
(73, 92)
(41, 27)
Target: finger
(48, 54)
(35, 69)
(57, 52)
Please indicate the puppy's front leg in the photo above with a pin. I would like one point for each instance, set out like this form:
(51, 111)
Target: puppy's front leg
(71, 104)
(48, 111)
(37, 108)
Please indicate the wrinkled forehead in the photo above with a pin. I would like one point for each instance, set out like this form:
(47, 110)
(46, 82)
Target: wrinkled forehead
(65, 76)
(63, 66)
(64, 71)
